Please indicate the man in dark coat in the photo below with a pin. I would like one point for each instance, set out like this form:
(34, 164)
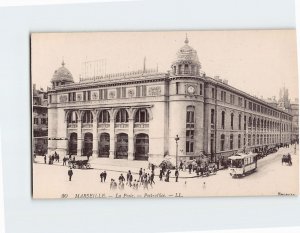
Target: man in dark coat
(45, 159)
(64, 161)
(101, 177)
(140, 174)
(176, 175)
(70, 173)
(104, 176)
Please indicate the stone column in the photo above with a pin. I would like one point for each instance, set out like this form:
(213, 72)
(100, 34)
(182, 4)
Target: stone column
(95, 139)
(79, 138)
(112, 135)
(130, 139)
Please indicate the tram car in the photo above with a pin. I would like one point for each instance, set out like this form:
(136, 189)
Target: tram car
(242, 164)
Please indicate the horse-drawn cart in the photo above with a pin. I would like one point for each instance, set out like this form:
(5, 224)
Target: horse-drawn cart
(286, 159)
(79, 164)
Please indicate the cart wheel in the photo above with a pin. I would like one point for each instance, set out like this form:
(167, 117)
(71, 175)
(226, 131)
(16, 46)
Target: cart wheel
(88, 165)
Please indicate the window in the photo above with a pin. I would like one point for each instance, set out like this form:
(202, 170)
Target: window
(223, 120)
(142, 116)
(213, 93)
(123, 92)
(72, 96)
(253, 139)
(87, 117)
(222, 142)
(231, 120)
(239, 141)
(212, 116)
(257, 139)
(72, 117)
(249, 139)
(177, 88)
(232, 99)
(104, 116)
(223, 96)
(231, 141)
(35, 121)
(245, 122)
(201, 89)
(86, 95)
(240, 101)
(190, 117)
(190, 141)
(240, 121)
(122, 116)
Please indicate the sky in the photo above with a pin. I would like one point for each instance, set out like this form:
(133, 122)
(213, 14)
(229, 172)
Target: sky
(259, 62)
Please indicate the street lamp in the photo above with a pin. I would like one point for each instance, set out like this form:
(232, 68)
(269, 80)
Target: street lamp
(176, 140)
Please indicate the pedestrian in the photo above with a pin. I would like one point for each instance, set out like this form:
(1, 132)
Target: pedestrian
(130, 179)
(140, 174)
(113, 184)
(190, 168)
(121, 178)
(104, 176)
(64, 161)
(168, 176)
(101, 177)
(153, 167)
(70, 173)
(160, 174)
(127, 177)
(45, 159)
(176, 175)
(181, 165)
(152, 179)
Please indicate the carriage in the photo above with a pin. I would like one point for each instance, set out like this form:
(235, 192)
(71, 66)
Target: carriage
(286, 159)
(211, 169)
(79, 164)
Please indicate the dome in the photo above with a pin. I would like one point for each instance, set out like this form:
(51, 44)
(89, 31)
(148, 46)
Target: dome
(186, 55)
(62, 74)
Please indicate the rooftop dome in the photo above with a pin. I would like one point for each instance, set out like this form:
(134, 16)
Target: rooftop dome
(62, 74)
(186, 54)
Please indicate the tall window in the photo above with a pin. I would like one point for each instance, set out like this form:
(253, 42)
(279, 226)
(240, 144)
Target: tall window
(231, 141)
(190, 129)
(249, 139)
(122, 116)
(239, 141)
(212, 117)
(231, 120)
(142, 116)
(253, 139)
(201, 89)
(104, 116)
(240, 121)
(213, 96)
(72, 117)
(245, 122)
(87, 117)
(222, 142)
(223, 120)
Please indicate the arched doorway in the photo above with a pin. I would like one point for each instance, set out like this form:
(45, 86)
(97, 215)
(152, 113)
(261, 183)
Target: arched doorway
(88, 144)
(141, 146)
(73, 144)
(104, 145)
(122, 146)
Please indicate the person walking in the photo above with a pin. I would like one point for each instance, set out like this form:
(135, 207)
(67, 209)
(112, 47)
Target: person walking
(45, 159)
(70, 174)
(121, 179)
(168, 176)
(160, 174)
(190, 168)
(127, 177)
(101, 177)
(130, 178)
(104, 176)
(152, 179)
(64, 161)
(140, 174)
(176, 175)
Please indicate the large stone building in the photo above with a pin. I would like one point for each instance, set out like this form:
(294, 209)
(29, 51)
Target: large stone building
(39, 121)
(137, 115)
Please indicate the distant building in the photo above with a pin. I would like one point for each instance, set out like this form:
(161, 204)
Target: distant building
(39, 120)
(137, 115)
(294, 110)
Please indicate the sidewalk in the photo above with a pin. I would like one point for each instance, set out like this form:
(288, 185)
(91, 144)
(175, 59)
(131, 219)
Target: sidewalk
(103, 165)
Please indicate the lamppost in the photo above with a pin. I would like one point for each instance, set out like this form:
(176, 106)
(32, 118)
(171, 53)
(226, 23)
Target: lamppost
(176, 140)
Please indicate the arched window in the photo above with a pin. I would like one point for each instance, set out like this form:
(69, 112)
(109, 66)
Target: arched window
(231, 141)
(142, 116)
(122, 116)
(72, 117)
(87, 117)
(222, 142)
(223, 120)
(104, 116)
(231, 120)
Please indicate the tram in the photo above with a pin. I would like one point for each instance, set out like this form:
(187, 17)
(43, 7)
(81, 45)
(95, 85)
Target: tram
(242, 164)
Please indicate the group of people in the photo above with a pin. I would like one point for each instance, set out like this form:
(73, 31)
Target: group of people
(52, 158)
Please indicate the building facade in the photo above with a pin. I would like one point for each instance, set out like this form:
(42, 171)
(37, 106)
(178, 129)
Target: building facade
(137, 115)
(39, 121)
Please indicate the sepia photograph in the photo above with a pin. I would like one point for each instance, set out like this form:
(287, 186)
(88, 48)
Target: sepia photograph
(162, 114)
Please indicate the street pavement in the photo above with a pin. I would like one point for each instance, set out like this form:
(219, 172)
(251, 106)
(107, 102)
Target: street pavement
(271, 178)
